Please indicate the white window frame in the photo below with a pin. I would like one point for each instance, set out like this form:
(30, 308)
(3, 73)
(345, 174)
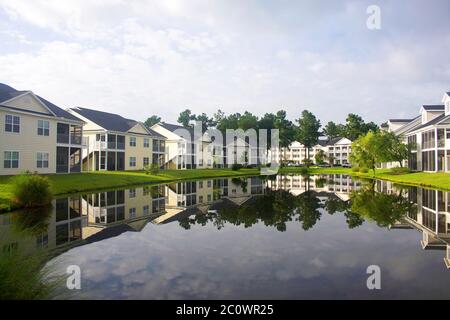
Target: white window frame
(12, 123)
(144, 161)
(42, 161)
(11, 159)
(132, 141)
(132, 162)
(45, 130)
(146, 209)
(132, 212)
(146, 143)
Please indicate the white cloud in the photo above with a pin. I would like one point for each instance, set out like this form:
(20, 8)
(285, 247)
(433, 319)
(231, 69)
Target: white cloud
(160, 57)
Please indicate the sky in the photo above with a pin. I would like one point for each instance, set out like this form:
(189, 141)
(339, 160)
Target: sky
(139, 58)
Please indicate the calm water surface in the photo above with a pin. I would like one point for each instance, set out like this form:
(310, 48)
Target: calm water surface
(285, 237)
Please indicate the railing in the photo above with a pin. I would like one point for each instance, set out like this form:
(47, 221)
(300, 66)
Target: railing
(62, 138)
(99, 144)
(75, 139)
(85, 141)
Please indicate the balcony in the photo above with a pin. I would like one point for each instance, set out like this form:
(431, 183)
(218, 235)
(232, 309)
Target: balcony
(62, 138)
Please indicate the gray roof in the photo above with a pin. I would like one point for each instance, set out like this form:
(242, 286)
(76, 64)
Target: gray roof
(410, 126)
(174, 127)
(435, 121)
(432, 107)
(401, 120)
(333, 141)
(7, 93)
(111, 121)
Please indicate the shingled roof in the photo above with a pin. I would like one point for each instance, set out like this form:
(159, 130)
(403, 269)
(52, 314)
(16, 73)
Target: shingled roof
(7, 93)
(111, 121)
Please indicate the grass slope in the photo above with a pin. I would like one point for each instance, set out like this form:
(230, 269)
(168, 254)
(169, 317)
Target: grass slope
(90, 181)
(81, 182)
(437, 180)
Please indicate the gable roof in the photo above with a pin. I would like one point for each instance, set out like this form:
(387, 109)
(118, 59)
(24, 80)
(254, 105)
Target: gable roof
(433, 107)
(401, 120)
(8, 93)
(111, 121)
(437, 120)
(410, 126)
(174, 127)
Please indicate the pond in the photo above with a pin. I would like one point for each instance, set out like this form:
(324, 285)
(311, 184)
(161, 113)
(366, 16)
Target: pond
(279, 237)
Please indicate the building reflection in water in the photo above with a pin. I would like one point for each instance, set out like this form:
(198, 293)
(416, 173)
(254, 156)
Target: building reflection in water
(88, 218)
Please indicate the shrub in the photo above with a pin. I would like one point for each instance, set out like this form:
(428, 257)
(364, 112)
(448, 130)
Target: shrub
(363, 170)
(236, 166)
(152, 169)
(25, 276)
(31, 190)
(304, 171)
(399, 170)
(355, 169)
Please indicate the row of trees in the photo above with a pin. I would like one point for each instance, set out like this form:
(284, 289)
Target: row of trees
(306, 129)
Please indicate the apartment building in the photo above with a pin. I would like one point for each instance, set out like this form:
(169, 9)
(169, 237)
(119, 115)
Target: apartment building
(116, 143)
(184, 151)
(337, 149)
(37, 135)
(429, 136)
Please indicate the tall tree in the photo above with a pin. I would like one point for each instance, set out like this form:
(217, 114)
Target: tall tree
(286, 130)
(368, 150)
(308, 130)
(206, 121)
(356, 127)
(267, 122)
(393, 149)
(185, 118)
(332, 130)
(248, 121)
(152, 120)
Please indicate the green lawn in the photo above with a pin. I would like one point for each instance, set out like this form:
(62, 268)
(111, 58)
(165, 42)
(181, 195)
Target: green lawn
(82, 182)
(432, 180)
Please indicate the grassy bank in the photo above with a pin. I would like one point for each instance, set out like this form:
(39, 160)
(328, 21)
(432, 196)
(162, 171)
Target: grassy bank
(82, 182)
(438, 180)
(62, 184)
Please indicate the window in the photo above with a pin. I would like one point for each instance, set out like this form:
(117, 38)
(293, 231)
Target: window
(11, 159)
(132, 141)
(12, 123)
(145, 209)
(132, 193)
(42, 160)
(43, 128)
(146, 161)
(146, 143)
(132, 212)
(132, 161)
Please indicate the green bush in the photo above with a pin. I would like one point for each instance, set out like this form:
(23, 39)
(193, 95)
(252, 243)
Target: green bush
(31, 190)
(400, 170)
(24, 276)
(363, 170)
(152, 169)
(355, 169)
(304, 171)
(236, 166)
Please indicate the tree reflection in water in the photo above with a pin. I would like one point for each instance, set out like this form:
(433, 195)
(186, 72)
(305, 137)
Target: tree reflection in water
(278, 207)
(383, 208)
